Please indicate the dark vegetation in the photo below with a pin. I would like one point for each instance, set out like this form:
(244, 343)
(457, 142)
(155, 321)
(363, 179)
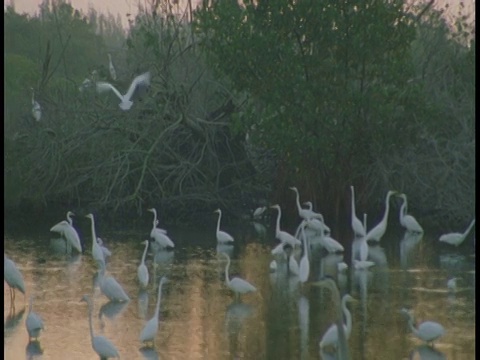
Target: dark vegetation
(245, 101)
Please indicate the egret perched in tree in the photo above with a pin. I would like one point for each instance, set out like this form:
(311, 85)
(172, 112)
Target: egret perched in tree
(102, 346)
(408, 221)
(36, 108)
(331, 336)
(428, 331)
(126, 103)
(283, 236)
(160, 235)
(105, 251)
(111, 288)
(66, 229)
(303, 213)
(357, 226)
(150, 329)
(222, 236)
(97, 252)
(111, 68)
(13, 277)
(142, 272)
(457, 238)
(378, 231)
(34, 322)
(237, 285)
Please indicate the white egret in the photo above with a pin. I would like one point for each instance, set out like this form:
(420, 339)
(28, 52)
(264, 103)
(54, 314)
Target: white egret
(303, 213)
(126, 103)
(304, 266)
(105, 251)
(102, 346)
(34, 322)
(222, 236)
(13, 277)
(142, 271)
(160, 236)
(330, 244)
(36, 108)
(150, 329)
(378, 231)
(283, 236)
(428, 331)
(273, 266)
(342, 266)
(342, 348)
(111, 288)
(155, 229)
(259, 212)
(408, 221)
(362, 264)
(293, 265)
(331, 336)
(365, 221)
(457, 238)
(111, 68)
(317, 216)
(97, 252)
(357, 227)
(237, 285)
(66, 229)
(278, 250)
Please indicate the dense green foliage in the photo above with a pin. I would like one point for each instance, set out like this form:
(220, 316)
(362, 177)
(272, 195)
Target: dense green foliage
(327, 93)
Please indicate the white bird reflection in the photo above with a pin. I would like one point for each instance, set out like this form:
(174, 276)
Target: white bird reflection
(163, 258)
(407, 245)
(303, 321)
(235, 315)
(426, 352)
(142, 303)
(225, 248)
(33, 350)
(149, 353)
(12, 321)
(260, 229)
(112, 309)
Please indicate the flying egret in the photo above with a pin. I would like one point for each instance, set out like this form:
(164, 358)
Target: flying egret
(283, 236)
(303, 213)
(457, 238)
(331, 335)
(304, 266)
(105, 251)
(97, 252)
(259, 212)
(13, 277)
(36, 108)
(150, 329)
(34, 322)
(142, 272)
(237, 285)
(378, 231)
(357, 227)
(428, 331)
(126, 103)
(408, 221)
(342, 348)
(102, 346)
(111, 68)
(222, 236)
(111, 288)
(66, 229)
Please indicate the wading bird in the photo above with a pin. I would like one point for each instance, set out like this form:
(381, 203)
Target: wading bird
(378, 231)
(65, 228)
(428, 331)
(142, 271)
(97, 252)
(102, 346)
(126, 103)
(13, 277)
(150, 329)
(111, 288)
(159, 235)
(357, 227)
(408, 221)
(457, 238)
(283, 236)
(237, 285)
(105, 251)
(303, 213)
(222, 236)
(34, 322)
(304, 267)
(331, 336)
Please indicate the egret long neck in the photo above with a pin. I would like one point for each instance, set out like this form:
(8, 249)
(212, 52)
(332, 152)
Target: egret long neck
(298, 200)
(157, 308)
(218, 221)
(277, 229)
(144, 253)
(403, 211)
(94, 236)
(469, 228)
(154, 218)
(353, 202)
(227, 279)
(387, 209)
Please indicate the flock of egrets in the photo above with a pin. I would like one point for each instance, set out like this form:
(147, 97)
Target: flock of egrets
(312, 229)
(101, 87)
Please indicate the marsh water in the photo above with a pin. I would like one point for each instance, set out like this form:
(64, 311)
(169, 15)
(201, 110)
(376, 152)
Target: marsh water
(200, 318)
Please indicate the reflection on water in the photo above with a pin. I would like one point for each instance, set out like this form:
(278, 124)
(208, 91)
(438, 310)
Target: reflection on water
(200, 319)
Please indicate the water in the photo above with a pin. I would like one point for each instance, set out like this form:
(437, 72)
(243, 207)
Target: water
(199, 318)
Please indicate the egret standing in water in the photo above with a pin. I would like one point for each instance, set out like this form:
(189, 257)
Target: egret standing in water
(408, 221)
(97, 252)
(34, 322)
(428, 331)
(36, 108)
(162, 241)
(457, 238)
(378, 231)
(105, 251)
(331, 336)
(125, 100)
(142, 271)
(283, 236)
(13, 277)
(150, 329)
(65, 228)
(237, 285)
(222, 236)
(111, 288)
(303, 213)
(102, 346)
(357, 226)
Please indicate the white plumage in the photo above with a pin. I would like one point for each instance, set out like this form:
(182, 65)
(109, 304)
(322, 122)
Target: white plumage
(125, 102)
(36, 108)
(408, 221)
(303, 213)
(457, 238)
(378, 231)
(357, 226)
(331, 336)
(105, 251)
(237, 285)
(150, 329)
(100, 344)
(222, 236)
(160, 236)
(13, 277)
(259, 212)
(428, 331)
(97, 252)
(65, 228)
(142, 271)
(304, 267)
(111, 288)
(330, 244)
(293, 265)
(283, 236)
(34, 322)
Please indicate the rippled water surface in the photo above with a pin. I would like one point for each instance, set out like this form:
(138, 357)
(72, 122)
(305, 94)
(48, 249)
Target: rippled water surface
(200, 319)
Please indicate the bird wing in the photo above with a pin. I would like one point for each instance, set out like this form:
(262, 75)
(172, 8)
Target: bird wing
(104, 86)
(143, 79)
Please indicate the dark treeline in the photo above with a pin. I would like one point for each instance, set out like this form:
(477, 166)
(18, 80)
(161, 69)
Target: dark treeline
(245, 101)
